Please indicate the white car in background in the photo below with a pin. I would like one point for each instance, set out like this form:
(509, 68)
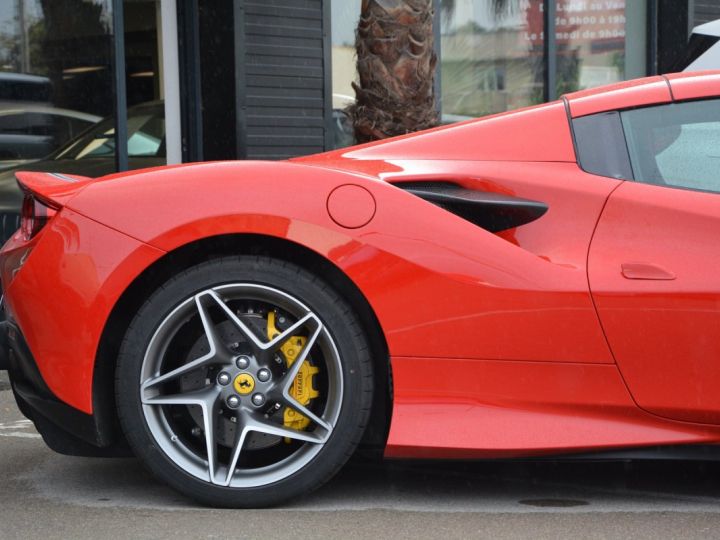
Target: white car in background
(703, 50)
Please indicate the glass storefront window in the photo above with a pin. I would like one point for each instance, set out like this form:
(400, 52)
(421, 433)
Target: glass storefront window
(491, 56)
(143, 54)
(345, 17)
(144, 82)
(598, 43)
(55, 74)
(56, 84)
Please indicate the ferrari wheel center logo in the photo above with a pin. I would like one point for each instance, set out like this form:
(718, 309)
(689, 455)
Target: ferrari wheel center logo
(244, 384)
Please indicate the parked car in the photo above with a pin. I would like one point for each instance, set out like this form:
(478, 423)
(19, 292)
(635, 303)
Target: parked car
(92, 154)
(536, 283)
(703, 50)
(24, 87)
(29, 132)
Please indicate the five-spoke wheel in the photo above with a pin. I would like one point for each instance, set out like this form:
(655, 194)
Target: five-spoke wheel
(243, 381)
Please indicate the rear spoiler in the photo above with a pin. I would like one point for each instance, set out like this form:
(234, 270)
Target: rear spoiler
(53, 189)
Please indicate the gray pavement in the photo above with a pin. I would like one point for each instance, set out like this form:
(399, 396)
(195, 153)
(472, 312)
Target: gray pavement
(45, 495)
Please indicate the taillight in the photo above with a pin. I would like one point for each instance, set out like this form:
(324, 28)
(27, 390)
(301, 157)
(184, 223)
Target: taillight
(34, 216)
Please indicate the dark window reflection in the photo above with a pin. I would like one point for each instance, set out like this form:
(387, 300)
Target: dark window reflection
(142, 51)
(217, 76)
(145, 92)
(55, 74)
(56, 83)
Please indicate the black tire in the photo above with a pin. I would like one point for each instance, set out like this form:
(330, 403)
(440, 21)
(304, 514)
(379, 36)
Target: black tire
(354, 360)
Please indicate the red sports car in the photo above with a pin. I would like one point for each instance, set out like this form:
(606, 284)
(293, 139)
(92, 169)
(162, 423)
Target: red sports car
(541, 282)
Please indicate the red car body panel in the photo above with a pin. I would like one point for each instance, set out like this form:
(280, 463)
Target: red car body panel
(474, 409)
(694, 85)
(80, 266)
(624, 95)
(510, 136)
(662, 322)
(497, 346)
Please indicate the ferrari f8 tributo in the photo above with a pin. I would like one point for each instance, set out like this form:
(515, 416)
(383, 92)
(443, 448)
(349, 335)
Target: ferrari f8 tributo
(541, 282)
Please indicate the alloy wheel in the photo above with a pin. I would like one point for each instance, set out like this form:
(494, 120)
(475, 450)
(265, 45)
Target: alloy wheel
(241, 385)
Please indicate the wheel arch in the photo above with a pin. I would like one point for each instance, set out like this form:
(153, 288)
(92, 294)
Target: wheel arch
(240, 244)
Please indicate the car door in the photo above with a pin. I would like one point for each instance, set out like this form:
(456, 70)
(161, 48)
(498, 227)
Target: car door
(654, 263)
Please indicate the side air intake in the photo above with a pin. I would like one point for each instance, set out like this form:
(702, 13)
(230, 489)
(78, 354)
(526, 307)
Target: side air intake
(493, 212)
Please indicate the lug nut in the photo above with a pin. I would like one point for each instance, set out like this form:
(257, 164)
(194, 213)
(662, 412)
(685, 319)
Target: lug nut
(233, 402)
(258, 400)
(223, 379)
(242, 362)
(264, 375)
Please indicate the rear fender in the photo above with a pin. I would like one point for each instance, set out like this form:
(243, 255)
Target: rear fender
(427, 273)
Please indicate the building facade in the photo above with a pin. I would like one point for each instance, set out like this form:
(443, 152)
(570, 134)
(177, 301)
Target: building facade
(269, 79)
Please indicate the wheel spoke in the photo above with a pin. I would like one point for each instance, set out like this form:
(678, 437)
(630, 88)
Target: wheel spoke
(245, 329)
(210, 331)
(280, 431)
(214, 343)
(281, 338)
(207, 400)
(257, 343)
(210, 414)
(289, 377)
(302, 409)
(175, 373)
(195, 397)
(240, 436)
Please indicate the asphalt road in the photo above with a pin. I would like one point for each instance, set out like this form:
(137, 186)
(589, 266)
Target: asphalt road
(45, 495)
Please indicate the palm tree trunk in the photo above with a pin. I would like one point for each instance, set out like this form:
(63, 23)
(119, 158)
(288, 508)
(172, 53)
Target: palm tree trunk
(396, 69)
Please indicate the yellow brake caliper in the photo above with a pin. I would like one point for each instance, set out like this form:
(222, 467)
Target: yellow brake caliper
(302, 389)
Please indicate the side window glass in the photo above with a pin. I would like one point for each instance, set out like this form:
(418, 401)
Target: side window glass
(78, 126)
(146, 136)
(601, 145)
(147, 140)
(676, 145)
